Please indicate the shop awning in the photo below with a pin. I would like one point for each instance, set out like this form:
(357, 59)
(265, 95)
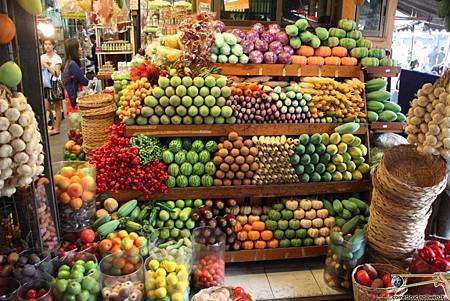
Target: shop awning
(419, 8)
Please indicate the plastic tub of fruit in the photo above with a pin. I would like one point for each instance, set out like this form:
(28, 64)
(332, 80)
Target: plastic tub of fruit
(208, 246)
(122, 277)
(374, 282)
(76, 275)
(37, 290)
(28, 265)
(8, 289)
(75, 192)
(223, 293)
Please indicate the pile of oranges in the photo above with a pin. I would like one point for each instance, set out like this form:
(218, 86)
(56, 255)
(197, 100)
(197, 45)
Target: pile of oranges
(130, 103)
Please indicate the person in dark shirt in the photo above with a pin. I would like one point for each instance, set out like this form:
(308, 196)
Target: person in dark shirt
(73, 76)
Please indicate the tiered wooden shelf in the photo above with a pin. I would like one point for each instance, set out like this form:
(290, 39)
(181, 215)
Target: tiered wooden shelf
(218, 130)
(387, 127)
(274, 254)
(312, 188)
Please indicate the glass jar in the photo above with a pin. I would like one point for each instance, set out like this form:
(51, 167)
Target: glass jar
(76, 276)
(75, 192)
(344, 254)
(167, 270)
(122, 276)
(36, 285)
(8, 289)
(208, 246)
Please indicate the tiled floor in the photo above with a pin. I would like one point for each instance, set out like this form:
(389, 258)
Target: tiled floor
(283, 280)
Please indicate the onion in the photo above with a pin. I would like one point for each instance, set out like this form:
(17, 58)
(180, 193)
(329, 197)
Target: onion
(256, 57)
(282, 37)
(247, 46)
(261, 45)
(258, 27)
(219, 26)
(267, 36)
(240, 35)
(288, 49)
(284, 58)
(276, 47)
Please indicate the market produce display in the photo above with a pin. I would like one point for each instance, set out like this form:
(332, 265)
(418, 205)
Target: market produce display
(189, 162)
(25, 267)
(235, 161)
(35, 290)
(427, 122)
(73, 149)
(222, 293)
(81, 241)
(130, 103)
(335, 157)
(379, 106)
(350, 213)
(174, 220)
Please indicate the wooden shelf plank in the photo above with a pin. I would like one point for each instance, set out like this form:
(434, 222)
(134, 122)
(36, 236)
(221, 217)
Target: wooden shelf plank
(381, 71)
(274, 254)
(288, 70)
(218, 192)
(217, 130)
(387, 127)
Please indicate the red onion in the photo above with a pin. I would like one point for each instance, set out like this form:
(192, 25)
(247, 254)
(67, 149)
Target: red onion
(276, 47)
(261, 45)
(267, 36)
(284, 58)
(270, 57)
(256, 57)
(258, 27)
(282, 37)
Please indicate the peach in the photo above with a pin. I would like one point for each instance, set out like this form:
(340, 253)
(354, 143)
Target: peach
(86, 171)
(64, 198)
(75, 179)
(67, 171)
(61, 182)
(88, 183)
(87, 196)
(76, 203)
(75, 190)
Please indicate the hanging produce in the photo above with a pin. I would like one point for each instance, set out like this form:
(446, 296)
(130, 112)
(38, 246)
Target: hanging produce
(21, 150)
(33, 7)
(10, 74)
(8, 29)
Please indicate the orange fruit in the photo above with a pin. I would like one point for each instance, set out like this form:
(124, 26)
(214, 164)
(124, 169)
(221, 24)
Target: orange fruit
(76, 203)
(64, 198)
(75, 190)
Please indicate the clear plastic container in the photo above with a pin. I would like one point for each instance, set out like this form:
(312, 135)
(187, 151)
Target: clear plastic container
(36, 285)
(344, 254)
(122, 277)
(8, 289)
(167, 271)
(76, 275)
(208, 246)
(75, 190)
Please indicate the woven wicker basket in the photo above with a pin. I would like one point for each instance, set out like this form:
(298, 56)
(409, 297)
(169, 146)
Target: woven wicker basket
(405, 185)
(94, 101)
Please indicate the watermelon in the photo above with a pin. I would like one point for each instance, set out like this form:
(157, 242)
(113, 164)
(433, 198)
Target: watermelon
(167, 156)
(182, 181)
(171, 182)
(210, 168)
(186, 169)
(211, 146)
(173, 170)
(187, 142)
(207, 180)
(175, 145)
(180, 157)
(192, 157)
(199, 168)
(198, 146)
(194, 181)
(204, 156)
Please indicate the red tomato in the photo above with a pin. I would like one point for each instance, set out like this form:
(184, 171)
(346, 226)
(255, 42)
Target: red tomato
(363, 278)
(87, 235)
(387, 280)
(31, 294)
(239, 291)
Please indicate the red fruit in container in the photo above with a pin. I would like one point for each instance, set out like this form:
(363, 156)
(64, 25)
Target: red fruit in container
(442, 264)
(437, 251)
(31, 294)
(87, 236)
(238, 291)
(362, 277)
(387, 280)
(427, 254)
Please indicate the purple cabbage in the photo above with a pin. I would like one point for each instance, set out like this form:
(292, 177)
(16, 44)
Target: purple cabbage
(240, 35)
(282, 37)
(284, 58)
(270, 57)
(256, 57)
(219, 26)
(258, 27)
(289, 49)
(274, 27)
(276, 47)
(247, 46)
(261, 45)
(267, 36)
(252, 35)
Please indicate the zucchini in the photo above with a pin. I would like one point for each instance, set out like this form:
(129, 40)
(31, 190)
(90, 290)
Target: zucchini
(337, 206)
(350, 206)
(104, 219)
(327, 204)
(360, 204)
(127, 208)
(108, 227)
(349, 226)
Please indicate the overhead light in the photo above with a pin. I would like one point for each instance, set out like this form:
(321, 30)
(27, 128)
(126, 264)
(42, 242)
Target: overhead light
(47, 29)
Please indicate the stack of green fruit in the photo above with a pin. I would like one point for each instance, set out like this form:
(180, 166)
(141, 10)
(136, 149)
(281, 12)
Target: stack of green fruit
(174, 219)
(298, 34)
(118, 86)
(187, 100)
(379, 106)
(189, 162)
(226, 49)
(325, 158)
(350, 213)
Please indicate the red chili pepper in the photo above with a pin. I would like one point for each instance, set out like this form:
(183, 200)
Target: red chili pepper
(427, 254)
(442, 264)
(447, 248)
(437, 251)
(432, 243)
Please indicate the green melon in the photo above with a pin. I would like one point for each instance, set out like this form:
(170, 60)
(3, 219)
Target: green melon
(173, 170)
(210, 168)
(207, 180)
(192, 157)
(198, 169)
(194, 181)
(171, 182)
(180, 157)
(186, 169)
(198, 146)
(167, 156)
(182, 181)
(204, 156)
(175, 145)
(211, 146)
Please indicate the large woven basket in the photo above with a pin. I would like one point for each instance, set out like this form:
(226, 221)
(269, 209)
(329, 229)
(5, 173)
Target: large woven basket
(405, 184)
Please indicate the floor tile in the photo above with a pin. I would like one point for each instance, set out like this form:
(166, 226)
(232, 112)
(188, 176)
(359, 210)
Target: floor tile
(245, 268)
(293, 284)
(326, 290)
(257, 285)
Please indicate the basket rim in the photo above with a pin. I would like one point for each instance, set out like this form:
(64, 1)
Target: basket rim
(378, 290)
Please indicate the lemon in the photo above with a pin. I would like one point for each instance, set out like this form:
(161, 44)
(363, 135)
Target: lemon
(172, 279)
(161, 272)
(170, 266)
(177, 297)
(151, 274)
(160, 281)
(151, 294)
(182, 286)
(181, 267)
(160, 292)
(171, 289)
(183, 275)
(153, 264)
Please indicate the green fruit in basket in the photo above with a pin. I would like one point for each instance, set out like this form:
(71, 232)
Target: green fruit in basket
(73, 288)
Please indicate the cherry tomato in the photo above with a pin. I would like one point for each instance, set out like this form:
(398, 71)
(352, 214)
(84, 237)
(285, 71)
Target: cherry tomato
(87, 235)
(387, 280)
(31, 294)
(363, 278)
(239, 291)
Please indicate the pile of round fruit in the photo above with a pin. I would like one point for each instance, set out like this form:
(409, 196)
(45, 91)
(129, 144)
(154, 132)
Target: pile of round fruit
(187, 100)
(189, 162)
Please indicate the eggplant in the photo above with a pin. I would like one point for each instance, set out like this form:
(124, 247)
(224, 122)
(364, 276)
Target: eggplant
(220, 204)
(236, 245)
(209, 203)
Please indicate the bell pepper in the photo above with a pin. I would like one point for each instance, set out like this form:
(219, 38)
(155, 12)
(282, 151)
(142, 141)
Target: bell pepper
(433, 243)
(437, 251)
(442, 264)
(447, 248)
(427, 254)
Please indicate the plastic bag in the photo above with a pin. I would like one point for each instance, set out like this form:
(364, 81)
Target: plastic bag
(166, 55)
(387, 140)
(172, 41)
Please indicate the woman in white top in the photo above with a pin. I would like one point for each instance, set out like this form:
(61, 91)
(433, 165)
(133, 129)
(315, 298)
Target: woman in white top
(52, 62)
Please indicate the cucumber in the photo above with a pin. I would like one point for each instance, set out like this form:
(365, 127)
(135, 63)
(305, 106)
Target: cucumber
(327, 204)
(104, 219)
(346, 214)
(340, 221)
(337, 206)
(360, 204)
(349, 226)
(350, 206)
